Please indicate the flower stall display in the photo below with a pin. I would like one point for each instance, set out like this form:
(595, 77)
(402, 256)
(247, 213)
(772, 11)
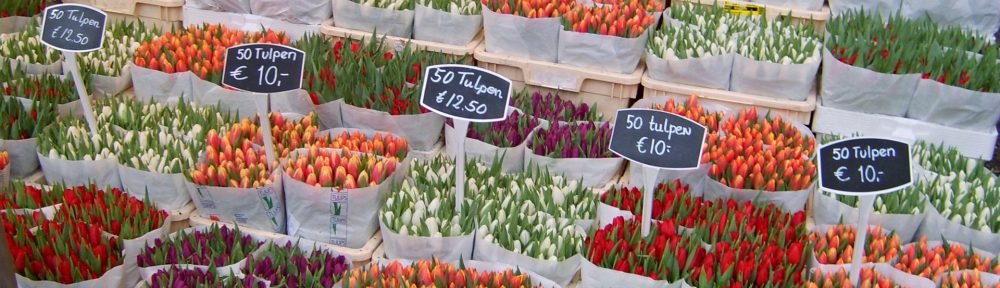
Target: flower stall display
(931, 259)
(968, 278)
(834, 245)
(607, 38)
(961, 211)
(578, 151)
(333, 195)
(200, 278)
(188, 63)
(761, 157)
(391, 17)
(428, 273)
(779, 60)
(32, 198)
(687, 55)
(19, 138)
(107, 69)
(524, 29)
(552, 108)
(297, 263)
(233, 182)
(223, 249)
(452, 22)
(27, 51)
(57, 253)
(419, 219)
(69, 153)
(502, 141)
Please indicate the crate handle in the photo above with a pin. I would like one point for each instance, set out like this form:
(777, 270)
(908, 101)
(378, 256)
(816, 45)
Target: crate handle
(553, 79)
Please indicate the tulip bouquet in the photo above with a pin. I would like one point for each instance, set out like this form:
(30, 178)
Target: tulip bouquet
(291, 134)
(964, 279)
(183, 277)
(289, 265)
(22, 8)
(538, 190)
(387, 4)
(869, 278)
(575, 140)
(835, 245)
(47, 88)
(782, 42)
(433, 273)
(71, 140)
(950, 163)
(25, 123)
(186, 119)
(340, 169)
(664, 254)
(931, 260)
(199, 49)
(711, 16)
(627, 21)
(671, 200)
(510, 132)
(740, 160)
(461, 7)
(15, 224)
(973, 204)
(651, 6)
(907, 201)
(757, 223)
(532, 234)
(530, 9)
(694, 111)
(66, 253)
(158, 152)
(26, 196)
(27, 47)
(212, 246)
(425, 204)
(121, 39)
(114, 211)
(384, 145)
(232, 161)
(553, 108)
(687, 42)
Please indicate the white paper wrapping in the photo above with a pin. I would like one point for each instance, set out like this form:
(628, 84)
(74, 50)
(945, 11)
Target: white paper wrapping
(260, 208)
(602, 52)
(35, 68)
(983, 16)
(442, 27)
(348, 14)
(790, 82)
(560, 272)
(69, 110)
(694, 178)
(422, 131)
(235, 6)
(312, 12)
(167, 191)
(313, 212)
(827, 210)
(201, 4)
(159, 86)
(23, 155)
(112, 278)
(593, 276)
(329, 114)
(535, 39)
(885, 7)
(108, 85)
(955, 107)
(935, 227)
(858, 89)
(592, 172)
(709, 71)
(789, 201)
(536, 280)
(295, 101)
(415, 247)
(13, 24)
(512, 157)
(244, 104)
(103, 173)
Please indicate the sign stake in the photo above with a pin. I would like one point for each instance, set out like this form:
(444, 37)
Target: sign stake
(263, 112)
(649, 187)
(75, 28)
(867, 205)
(463, 127)
(81, 89)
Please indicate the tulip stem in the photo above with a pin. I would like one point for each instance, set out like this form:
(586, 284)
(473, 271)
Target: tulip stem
(648, 189)
(462, 127)
(867, 205)
(88, 111)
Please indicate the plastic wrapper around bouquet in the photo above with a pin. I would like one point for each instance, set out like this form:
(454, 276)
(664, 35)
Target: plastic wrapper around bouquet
(592, 276)
(311, 12)
(295, 101)
(13, 24)
(512, 157)
(147, 272)
(601, 52)
(115, 277)
(936, 226)
(592, 172)
(708, 71)
(23, 155)
(411, 247)
(982, 16)
(422, 131)
(35, 68)
(330, 114)
(260, 208)
(168, 191)
(775, 80)
(351, 15)
(108, 85)
(858, 89)
(827, 210)
(103, 173)
(955, 107)
(560, 272)
(434, 25)
(532, 38)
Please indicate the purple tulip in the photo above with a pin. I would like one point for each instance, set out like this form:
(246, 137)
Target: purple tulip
(290, 266)
(509, 132)
(213, 246)
(573, 140)
(177, 277)
(554, 108)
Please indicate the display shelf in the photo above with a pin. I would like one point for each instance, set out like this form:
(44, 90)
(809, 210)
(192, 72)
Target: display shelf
(248, 22)
(358, 257)
(609, 91)
(817, 18)
(842, 122)
(455, 51)
(798, 111)
(163, 14)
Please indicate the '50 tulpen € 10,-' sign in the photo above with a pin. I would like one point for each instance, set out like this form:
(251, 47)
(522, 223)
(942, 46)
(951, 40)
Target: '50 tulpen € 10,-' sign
(860, 166)
(657, 138)
(264, 68)
(466, 92)
(73, 27)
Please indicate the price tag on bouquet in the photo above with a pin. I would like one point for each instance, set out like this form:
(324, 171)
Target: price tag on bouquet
(265, 69)
(864, 167)
(465, 94)
(656, 139)
(73, 28)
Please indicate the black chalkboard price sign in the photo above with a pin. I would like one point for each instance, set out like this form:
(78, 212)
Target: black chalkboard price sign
(657, 138)
(466, 92)
(73, 27)
(264, 68)
(864, 166)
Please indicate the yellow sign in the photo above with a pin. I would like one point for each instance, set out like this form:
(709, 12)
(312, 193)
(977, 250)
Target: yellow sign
(744, 8)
